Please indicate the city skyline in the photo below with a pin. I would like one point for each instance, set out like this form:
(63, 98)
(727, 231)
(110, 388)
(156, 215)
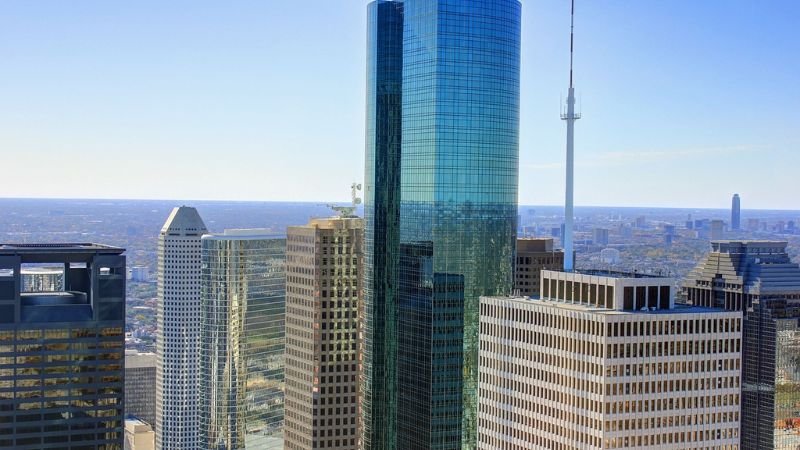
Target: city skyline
(140, 83)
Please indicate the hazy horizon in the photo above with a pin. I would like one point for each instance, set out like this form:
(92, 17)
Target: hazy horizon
(681, 101)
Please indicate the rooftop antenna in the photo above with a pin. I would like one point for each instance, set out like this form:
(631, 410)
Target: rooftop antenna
(349, 211)
(570, 116)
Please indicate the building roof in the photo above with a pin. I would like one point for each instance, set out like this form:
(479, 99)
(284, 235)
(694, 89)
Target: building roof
(244, 234)
(14, 249)
(184, 220)
(758, 272)
(60, 252)
(677, 309)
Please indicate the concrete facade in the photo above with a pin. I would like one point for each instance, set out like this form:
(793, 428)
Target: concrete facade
(557, 374)
(178, 336)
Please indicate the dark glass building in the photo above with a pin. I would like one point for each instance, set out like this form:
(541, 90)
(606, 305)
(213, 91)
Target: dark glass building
(759, 278)
(440, 209)
(61, 351)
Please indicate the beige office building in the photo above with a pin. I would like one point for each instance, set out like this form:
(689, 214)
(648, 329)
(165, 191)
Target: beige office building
(323, 299)
(533, 255)
(140, 382)
(606, 362)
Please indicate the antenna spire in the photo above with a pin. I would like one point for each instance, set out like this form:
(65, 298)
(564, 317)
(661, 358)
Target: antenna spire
(571, 39)
(570, 116)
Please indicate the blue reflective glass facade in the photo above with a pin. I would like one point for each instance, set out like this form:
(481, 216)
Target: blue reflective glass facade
(458, 168)
(381, 222)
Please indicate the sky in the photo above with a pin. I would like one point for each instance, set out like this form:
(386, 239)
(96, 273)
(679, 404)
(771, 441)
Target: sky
(684, 102)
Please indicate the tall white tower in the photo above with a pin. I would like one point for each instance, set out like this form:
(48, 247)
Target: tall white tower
(178, 335)
(570, 116)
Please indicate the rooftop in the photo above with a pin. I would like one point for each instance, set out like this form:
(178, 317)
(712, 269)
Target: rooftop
(16, 249)
(616, 274)
(244, 234)
(58, 253)
(679, 308)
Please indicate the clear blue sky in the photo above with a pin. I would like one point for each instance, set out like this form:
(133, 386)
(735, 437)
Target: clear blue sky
(684, 102)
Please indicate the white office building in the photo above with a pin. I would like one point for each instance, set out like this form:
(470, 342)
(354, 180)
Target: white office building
(605, 361)
(178, 337)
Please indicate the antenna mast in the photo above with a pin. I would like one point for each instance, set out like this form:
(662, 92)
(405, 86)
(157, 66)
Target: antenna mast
(570, 116)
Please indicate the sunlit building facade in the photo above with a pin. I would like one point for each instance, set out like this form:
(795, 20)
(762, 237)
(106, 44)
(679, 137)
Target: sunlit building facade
(61, 351)
(606, 362)
(242, 313)
(178, 331)
(440, 210)
(759, 278)
(323, 308)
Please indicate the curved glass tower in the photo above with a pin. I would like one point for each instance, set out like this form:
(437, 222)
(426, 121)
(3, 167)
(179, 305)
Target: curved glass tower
(441, 209)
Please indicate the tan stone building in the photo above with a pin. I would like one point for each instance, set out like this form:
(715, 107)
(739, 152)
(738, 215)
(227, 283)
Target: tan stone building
(323, 298)
(533, 255)
(606, 362)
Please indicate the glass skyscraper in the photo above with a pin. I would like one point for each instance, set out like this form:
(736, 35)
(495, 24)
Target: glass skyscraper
(242, 310)
(440, 210)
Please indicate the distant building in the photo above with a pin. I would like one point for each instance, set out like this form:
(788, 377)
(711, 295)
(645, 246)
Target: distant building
(242, 342)
(717, 229)
(139, 435)
(140, 380)
(753, 224)
(178, 336)
(736, 213)
(42, 279)
(609, 256)
(641, 222)
(626, 231)
(323, 263)
(533, 255)
(600, 236)
(605, 362)
(139, 274)
(61, 352)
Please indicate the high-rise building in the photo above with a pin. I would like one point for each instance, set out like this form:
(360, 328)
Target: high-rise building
(717, 229)
(61, 352)
(140, 378)
(178, 336)
(440, 209)
(600, 236)
(607, 361)
(533, 255)
(736, 213)
(323, 303)
(759, 278)
(242, 314)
